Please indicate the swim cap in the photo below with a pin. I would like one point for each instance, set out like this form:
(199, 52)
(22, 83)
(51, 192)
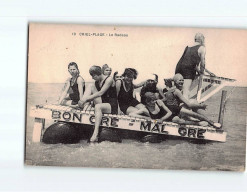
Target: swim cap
(177, 77)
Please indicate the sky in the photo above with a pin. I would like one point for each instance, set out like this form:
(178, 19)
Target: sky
(148, 49)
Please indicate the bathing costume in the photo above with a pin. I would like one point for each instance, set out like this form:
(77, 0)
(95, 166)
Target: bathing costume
(188, 62)
(159, 115)
(173, 102)
(110, 96)
(126, 99)
(74, 94)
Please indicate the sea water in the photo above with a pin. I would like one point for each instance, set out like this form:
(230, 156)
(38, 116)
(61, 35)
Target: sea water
(169, 154)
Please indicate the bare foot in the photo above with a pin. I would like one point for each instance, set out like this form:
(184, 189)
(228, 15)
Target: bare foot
(217, 125)
(203, 123)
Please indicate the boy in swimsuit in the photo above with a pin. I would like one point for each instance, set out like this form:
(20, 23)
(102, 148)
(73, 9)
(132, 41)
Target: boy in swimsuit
(74, 87)
(105, 88)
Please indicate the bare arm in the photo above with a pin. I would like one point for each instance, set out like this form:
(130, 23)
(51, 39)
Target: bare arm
(202, 53)
(65, 91)
(118, 85)
(81, 84)
(139, 113)
(107, 85)
(161, 93)
(168, 114)
(139, 84)
(187, 102)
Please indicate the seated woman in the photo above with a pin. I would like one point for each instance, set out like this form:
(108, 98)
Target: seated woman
(125, 88)
(106, 70)
(74, 87)
(180, 106)
(151, 86)
(154, 109)
(105, 88)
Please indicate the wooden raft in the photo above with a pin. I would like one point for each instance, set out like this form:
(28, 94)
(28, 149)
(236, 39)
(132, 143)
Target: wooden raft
(86, 116)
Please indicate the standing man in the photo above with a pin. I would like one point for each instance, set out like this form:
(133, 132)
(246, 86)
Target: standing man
(192, 58)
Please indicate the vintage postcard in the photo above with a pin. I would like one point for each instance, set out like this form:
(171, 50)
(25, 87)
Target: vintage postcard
(136, 97)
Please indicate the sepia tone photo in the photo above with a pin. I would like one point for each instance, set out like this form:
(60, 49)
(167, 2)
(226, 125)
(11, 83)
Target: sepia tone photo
(136, 97)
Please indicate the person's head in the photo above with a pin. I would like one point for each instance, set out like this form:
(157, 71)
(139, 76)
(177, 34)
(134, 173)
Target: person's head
(168, 83)
(106, 70)
(149, 98)
(199, 37)
(95, 72)
(73, 69)
(178, 81)
(152, 81)
(129, 74)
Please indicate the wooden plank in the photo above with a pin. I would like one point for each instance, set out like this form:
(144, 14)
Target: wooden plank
(222, 107)
(130, 123)
(38, 127)
(208, 87)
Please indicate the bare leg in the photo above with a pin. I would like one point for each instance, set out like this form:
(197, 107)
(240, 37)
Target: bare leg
(134, 114)
(99, 110)
(140, 106)
(66, 102)
(180, 121)
(90, 89)
(199, 116)
(186, 88)
(199, 111)
(97, 100)
(132, 109)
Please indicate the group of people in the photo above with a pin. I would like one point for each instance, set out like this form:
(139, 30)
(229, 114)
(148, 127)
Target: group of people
(113, 94)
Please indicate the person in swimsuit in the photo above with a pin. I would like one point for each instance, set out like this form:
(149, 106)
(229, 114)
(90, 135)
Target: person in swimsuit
(105, 88)
(154, 109)
(151, 86)
(182, 107)
(189, 63)
(74, 87)
(106, 70)
(125, 88)
(168, 85)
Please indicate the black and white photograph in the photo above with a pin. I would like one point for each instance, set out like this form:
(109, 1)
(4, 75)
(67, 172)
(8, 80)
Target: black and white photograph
(136, 97)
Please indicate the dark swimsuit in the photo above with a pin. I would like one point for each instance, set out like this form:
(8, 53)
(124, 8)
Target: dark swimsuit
(188, 62)
(172, 102)
(159, 115)
(74, 94)
(126, 99)
(110, 96)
